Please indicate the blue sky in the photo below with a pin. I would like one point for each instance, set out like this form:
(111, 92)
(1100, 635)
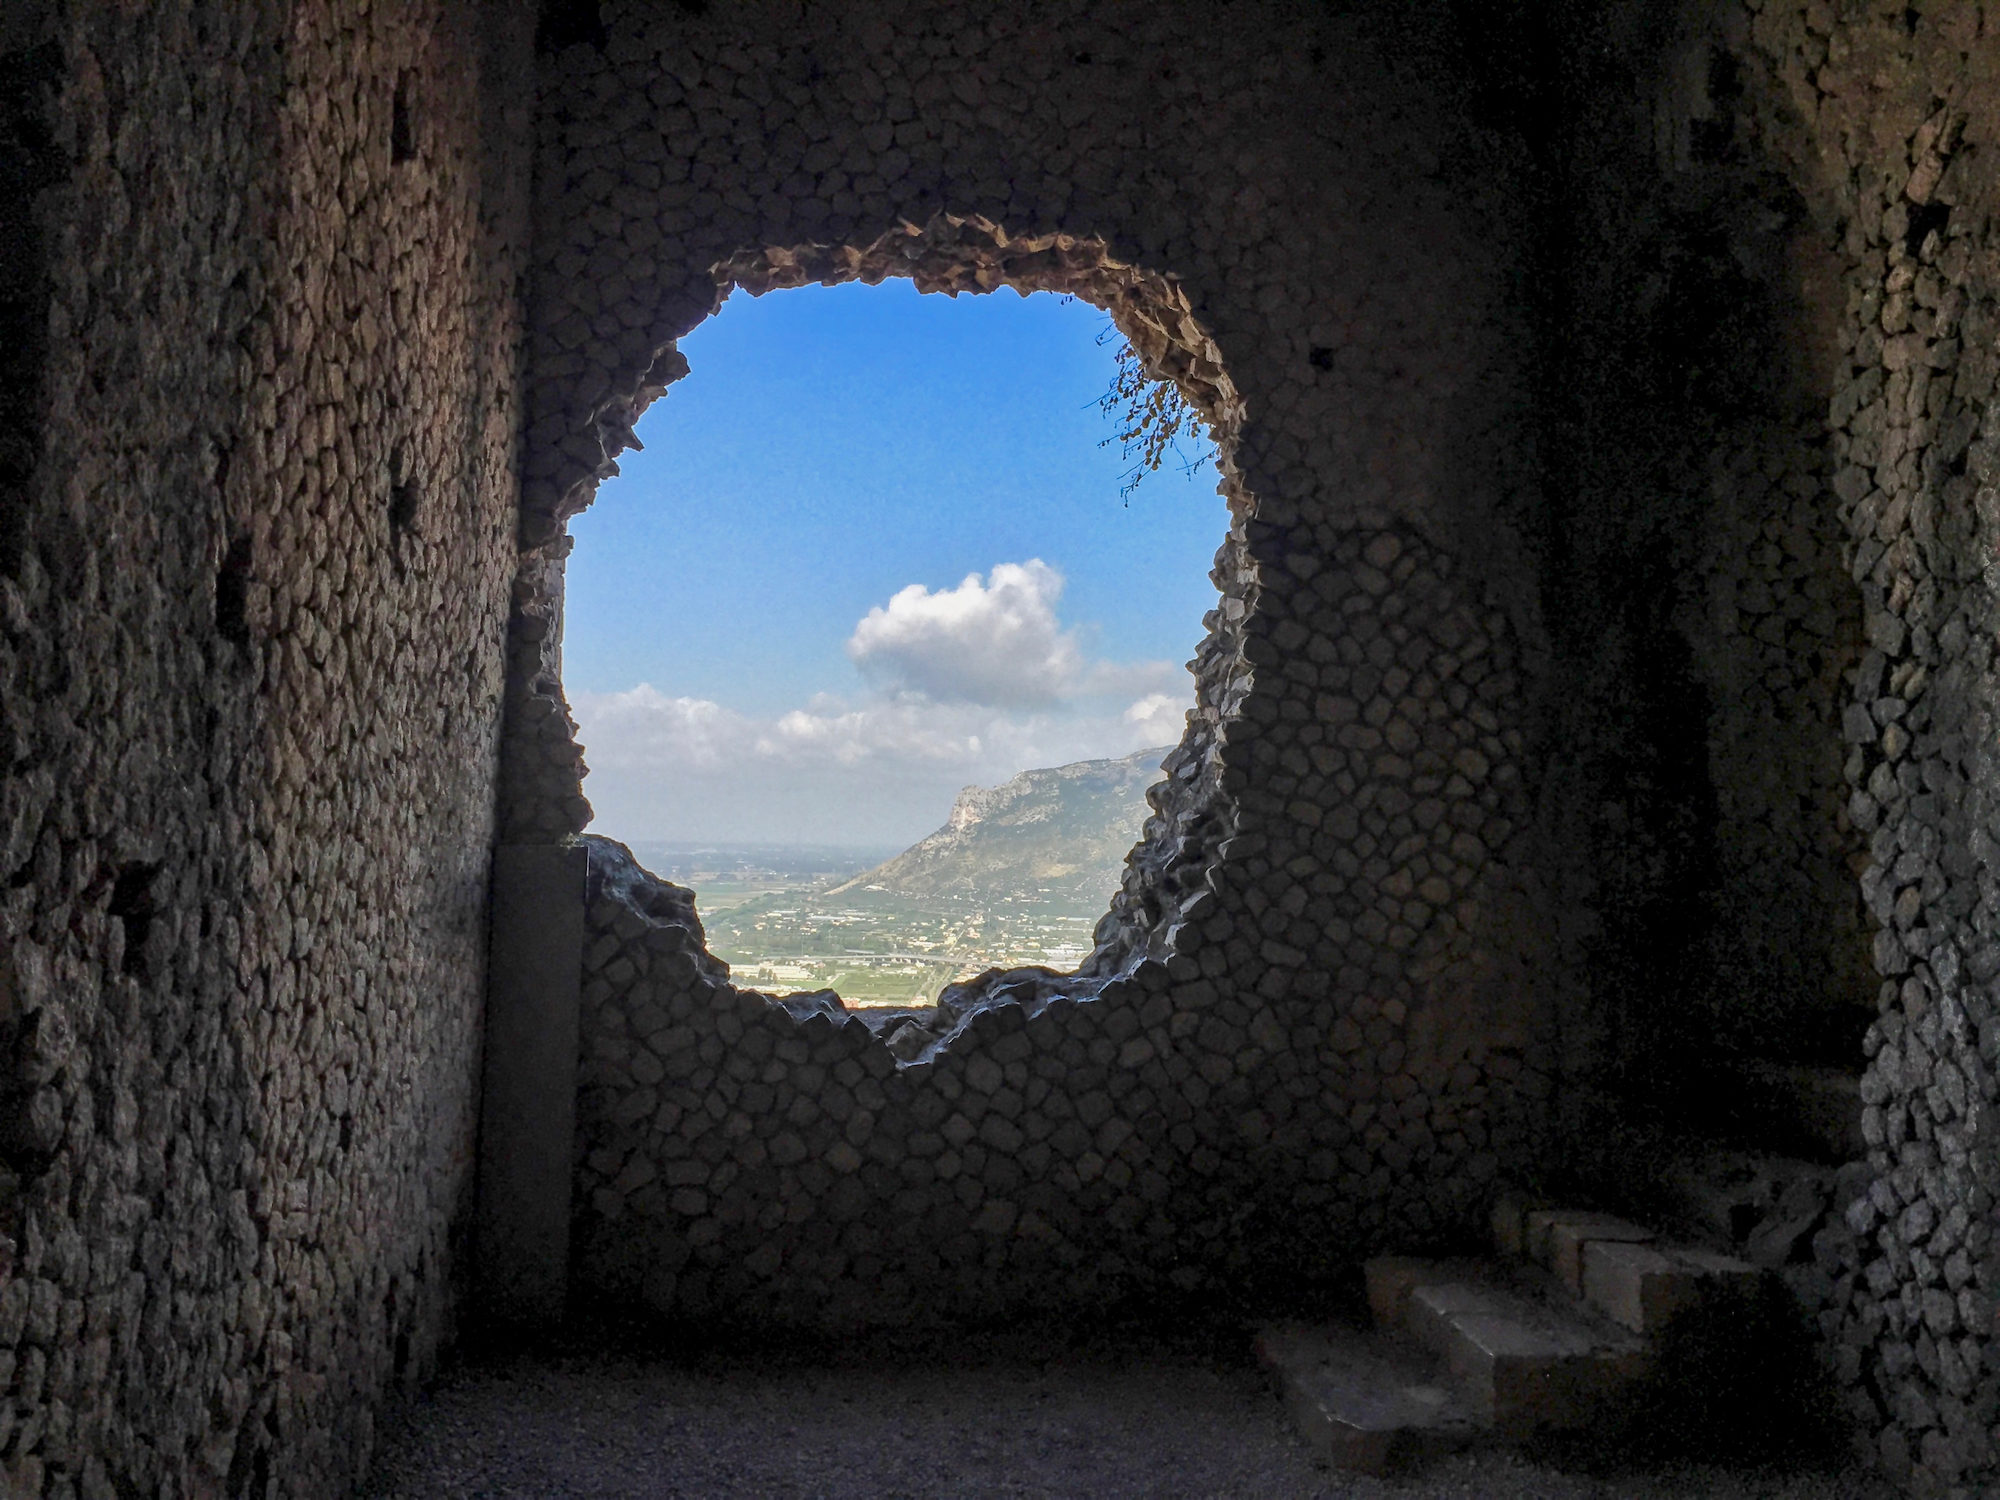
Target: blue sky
(873, 552)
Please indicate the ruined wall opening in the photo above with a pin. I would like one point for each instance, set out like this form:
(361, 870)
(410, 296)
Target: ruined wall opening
(1314, 1021)
(879, 640)
(1047, 1112)
(950, 255)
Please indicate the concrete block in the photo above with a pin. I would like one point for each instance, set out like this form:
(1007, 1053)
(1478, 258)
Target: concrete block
(1633, 1284)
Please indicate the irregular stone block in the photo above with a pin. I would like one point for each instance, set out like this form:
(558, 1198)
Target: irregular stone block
(1556, 1237)
(1645, 1287)
(1522, 1365)
(1362, 1403)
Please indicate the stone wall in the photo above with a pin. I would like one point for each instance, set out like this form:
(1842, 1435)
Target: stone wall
(259, 536)
(1310, 1028)
(1674, 385)
(30, 162)
(1783, 263)
(1916, 448)
(1774, 626)
(1605, 396)
(1243, 1105)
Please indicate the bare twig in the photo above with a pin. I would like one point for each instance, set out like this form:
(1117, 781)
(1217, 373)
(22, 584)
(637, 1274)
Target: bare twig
(1151, 415)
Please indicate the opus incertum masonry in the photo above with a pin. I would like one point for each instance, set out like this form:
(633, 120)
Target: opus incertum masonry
(1590, 800)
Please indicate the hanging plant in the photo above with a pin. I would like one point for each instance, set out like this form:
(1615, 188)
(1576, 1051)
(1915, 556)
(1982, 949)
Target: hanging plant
(1152, 417)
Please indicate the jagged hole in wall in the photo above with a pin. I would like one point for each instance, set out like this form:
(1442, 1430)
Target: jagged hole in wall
(880, 645)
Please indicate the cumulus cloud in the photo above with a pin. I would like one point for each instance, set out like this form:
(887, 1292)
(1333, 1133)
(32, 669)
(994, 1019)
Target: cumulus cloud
(1158, 719)
(644, 727)
(899, 729)
(970, 685)
(993, 640)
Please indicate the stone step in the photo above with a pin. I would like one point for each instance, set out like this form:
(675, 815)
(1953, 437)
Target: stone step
(1363, 1402)
(1555, 1238)
(1621, 1269)
(1645, 1287)
(1526, 1229)
(1522, 1363)
(1391, 1279)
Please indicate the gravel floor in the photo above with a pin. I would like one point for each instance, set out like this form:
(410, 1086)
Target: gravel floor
(980, 1421)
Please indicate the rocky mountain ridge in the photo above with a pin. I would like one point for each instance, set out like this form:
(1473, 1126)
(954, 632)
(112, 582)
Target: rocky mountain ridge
(1058, 831)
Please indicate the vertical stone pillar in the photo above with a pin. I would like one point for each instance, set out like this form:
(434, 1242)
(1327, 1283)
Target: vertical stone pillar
(528, 1108)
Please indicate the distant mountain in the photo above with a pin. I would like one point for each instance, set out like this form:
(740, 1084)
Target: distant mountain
(1063, 831)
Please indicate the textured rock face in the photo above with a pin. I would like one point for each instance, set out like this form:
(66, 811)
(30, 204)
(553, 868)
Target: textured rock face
(250, 663)
(1062, 828)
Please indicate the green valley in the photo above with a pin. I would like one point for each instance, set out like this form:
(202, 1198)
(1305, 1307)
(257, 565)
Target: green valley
(1019, 874)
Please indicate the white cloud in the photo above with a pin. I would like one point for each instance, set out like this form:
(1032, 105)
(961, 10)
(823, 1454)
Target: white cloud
(973, 685)
(899, 729)
(877, 771)
(1158, 718)
(644, 727)
(994, 640)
